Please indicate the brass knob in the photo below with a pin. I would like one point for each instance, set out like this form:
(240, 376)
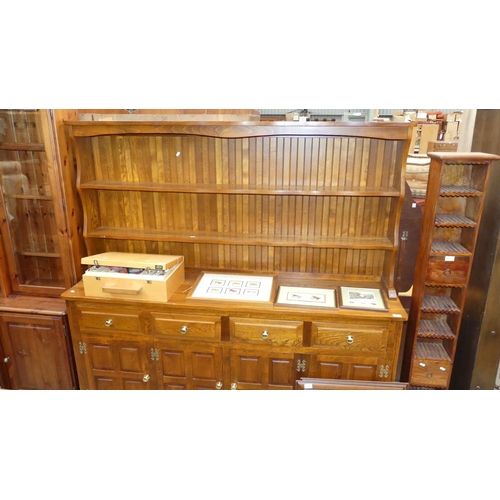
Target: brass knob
(447, 272)
(108, 322)
(146, 378)
(184, 329)
(6, 360)
(234, 387)
(218, 385)
(349, 339)
(265, 334)
(429, 375)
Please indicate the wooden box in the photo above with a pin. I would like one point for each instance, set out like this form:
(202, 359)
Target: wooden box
(147, 277)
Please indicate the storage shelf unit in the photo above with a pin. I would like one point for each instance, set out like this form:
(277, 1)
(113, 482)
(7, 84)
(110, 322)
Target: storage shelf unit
(260, 196)
(452, 217)
(315, 205)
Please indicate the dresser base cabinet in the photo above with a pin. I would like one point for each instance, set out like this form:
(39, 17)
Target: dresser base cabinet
(188, 344)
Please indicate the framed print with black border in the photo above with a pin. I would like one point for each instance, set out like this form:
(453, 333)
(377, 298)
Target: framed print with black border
(362, 298)
(306, 297)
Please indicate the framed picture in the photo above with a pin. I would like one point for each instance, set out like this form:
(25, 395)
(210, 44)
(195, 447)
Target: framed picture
(362, 298)
(306, 297)
(235, 287)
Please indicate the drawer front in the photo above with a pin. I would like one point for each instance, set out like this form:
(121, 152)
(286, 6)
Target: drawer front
(266, 331)
(450, 272)
(430, 373)
(187, 327)
(109, 320)
(346, 338)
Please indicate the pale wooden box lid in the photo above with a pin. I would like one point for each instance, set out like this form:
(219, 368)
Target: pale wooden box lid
(137, 260)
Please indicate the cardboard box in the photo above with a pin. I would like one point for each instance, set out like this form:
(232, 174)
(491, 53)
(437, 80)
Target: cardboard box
(145, 277)
(452, 128)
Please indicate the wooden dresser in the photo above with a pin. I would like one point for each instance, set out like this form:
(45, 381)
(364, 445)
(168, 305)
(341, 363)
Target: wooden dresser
(317, 205)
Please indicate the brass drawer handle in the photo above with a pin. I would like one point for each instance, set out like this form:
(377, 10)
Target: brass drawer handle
(218, 385)
(447, 272)
(234, 386)
(265, 334)
(146, 378)
(349, 339)
(6, 360)
(184, 330)
(108, 322)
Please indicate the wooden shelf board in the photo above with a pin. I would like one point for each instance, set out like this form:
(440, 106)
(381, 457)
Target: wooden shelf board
(459, 191)
(436, 304)
(359, 243)
(21, 146)
(428, 350)
(241, 189)
(435, 330)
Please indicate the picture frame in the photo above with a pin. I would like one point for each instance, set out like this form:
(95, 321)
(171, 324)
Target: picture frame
(245, 288)
(306, 297)
(362, 298)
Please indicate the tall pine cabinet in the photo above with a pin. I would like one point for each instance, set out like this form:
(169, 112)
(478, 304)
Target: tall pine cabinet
(36, 259)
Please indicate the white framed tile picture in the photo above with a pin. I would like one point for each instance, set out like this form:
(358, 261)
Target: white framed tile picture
(235, 287)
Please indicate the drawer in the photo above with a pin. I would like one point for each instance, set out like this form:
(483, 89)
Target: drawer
(448, 270)
(187, 327)
(430, 372)
(266, 331)
(109, 320)
(346, 338)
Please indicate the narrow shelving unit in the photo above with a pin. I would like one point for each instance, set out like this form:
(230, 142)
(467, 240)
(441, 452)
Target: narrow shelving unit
(452, 217)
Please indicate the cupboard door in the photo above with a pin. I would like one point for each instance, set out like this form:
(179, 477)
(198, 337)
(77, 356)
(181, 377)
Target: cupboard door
(330, 366)
(255, 369)
(188, 366)
(35, 350)
(113, 364)
(33, 224)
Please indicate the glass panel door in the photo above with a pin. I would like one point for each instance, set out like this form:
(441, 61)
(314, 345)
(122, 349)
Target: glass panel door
(30, 214)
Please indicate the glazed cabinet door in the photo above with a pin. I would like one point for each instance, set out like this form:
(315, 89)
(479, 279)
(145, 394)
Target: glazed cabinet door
(185, 365)
(32, 206)
(107, 363)
(260, 369)
(36, 352)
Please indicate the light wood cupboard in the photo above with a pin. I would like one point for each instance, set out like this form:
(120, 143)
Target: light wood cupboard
(36, 259)
(316, 204)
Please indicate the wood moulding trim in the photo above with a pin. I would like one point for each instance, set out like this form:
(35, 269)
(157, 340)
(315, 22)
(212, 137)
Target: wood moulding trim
(390, 131)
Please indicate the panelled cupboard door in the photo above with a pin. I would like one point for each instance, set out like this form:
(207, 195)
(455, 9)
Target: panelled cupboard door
(328, 366)
(255, 369)
(182, 366)
(113, 364)
(35, 350)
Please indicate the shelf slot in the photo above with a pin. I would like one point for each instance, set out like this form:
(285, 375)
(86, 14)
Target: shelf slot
(459, 191)
(439, 305)
(448, 248)
(452, 220)
(431, 350)
(435, 330)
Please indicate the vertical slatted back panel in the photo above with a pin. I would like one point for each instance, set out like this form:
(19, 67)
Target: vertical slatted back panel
(273, 203)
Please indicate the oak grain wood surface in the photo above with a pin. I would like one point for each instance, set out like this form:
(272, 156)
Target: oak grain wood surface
(316, 204)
